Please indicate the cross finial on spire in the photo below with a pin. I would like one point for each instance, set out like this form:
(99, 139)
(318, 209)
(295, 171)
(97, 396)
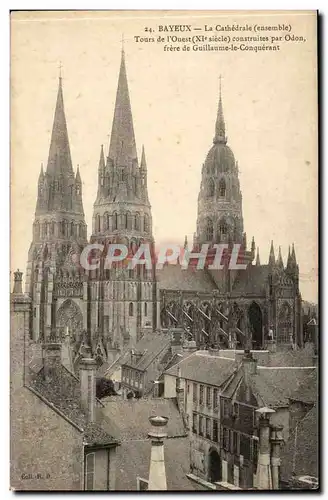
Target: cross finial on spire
(60, 68)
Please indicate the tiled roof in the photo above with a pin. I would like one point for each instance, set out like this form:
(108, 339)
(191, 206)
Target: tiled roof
(204, 368)
(173, 277)
(151, 345)
(276, 385)
(307, 392)
(128, 419)
(133, 459)
(63, 392)
(252, 282)
(301, 357)
(300, 456)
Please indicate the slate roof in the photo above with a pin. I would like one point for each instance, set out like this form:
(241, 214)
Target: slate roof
(204, 368)
(302, 448)
(63, 392)
(252, 282)
(307, 392)
(300, 357)
(276, 385)
(129, 418)
(173, 277)
(128, 421)
(151, 345)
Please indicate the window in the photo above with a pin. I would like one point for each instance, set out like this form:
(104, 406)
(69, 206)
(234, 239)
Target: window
(146, 223)
(98, 223)
(222, 188)
(225, 438)
(146, 307)
(208, 428)
(209, 230)
(245, 446)
(131, 309)
(215, 398)
(235, 410)
(194, 423)
(223, 228)
(137, 222)
(225, 408)
(89, 471)
(201, 394)
(142, 484)
(115, 221)
(210, 189)
(194, 393)
(125, 221)
(200, 425)
(208, 396)
(215, 431)
(235, 443)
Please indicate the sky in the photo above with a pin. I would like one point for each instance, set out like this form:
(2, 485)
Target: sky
(270, 109)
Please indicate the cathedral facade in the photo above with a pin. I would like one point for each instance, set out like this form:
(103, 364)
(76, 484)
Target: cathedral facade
(110, 309)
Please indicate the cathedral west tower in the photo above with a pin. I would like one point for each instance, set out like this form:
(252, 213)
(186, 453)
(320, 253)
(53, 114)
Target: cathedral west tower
(122, 299)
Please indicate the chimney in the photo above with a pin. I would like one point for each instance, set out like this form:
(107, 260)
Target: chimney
(190, 346)
(276, 443)
(157, 475)
(263, 473)
(51, 353)
(88, 386)
(18, 278)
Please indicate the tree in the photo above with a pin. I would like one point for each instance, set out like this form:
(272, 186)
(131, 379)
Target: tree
(104, 387)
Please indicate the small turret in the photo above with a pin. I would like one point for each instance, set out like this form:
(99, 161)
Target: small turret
(253, 247)
(258, 263)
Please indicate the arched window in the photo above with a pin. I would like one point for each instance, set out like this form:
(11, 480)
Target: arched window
(115, 221)
(209, 230)
(137, 222)
(210, 188)
(134, 184)
(128, 221)
(223, 229)
(97, 223)
(72, 229)
(285, 325)
(222, 188)
(52, 228)
(125, 220)
(146, 223)
(146, 309)
(131, 309)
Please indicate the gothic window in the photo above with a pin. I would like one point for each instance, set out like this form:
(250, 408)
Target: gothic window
(210, 188)
(285, 325)
(223, 229)
(146, 307)
(137, 222)
(131, 309)
(134, 184)
(128, 222)
(209, 230)
(97, 223)
(107, 221)
(146, 223)
(125, 221)
(72, 229)
(52, 228)
(115, 221)
(222, 188)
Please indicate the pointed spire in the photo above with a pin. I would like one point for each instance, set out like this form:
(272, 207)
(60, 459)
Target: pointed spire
(102, 158)
(280, 262)
(293, 255)
(143, 163)
(41, 175)
(78, 176)
(258, 263)
(220, 136)
(122, 148)
(272, 259)
(59, 159)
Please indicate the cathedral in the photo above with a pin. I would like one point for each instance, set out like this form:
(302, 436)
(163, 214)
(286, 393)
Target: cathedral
(111, 309)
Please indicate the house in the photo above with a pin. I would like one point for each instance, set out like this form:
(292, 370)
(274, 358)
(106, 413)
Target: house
(56, 442)
(222, 393)
(128, 420)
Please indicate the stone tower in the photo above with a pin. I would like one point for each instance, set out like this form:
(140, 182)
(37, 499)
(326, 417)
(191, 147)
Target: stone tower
(54, 280)
(220, 217)
(121, 299)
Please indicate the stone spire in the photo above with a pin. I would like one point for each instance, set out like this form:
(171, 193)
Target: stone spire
(59, 159)
(143, 163)
(272, 259)
(102, 158)
(122, 148)
(280, 263)
(220, 136)
(258, 263)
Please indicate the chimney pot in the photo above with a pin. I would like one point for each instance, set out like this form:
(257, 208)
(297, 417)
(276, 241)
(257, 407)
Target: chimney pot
(157, 474)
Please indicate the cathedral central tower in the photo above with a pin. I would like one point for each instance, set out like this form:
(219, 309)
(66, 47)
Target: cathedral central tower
(220, 217)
